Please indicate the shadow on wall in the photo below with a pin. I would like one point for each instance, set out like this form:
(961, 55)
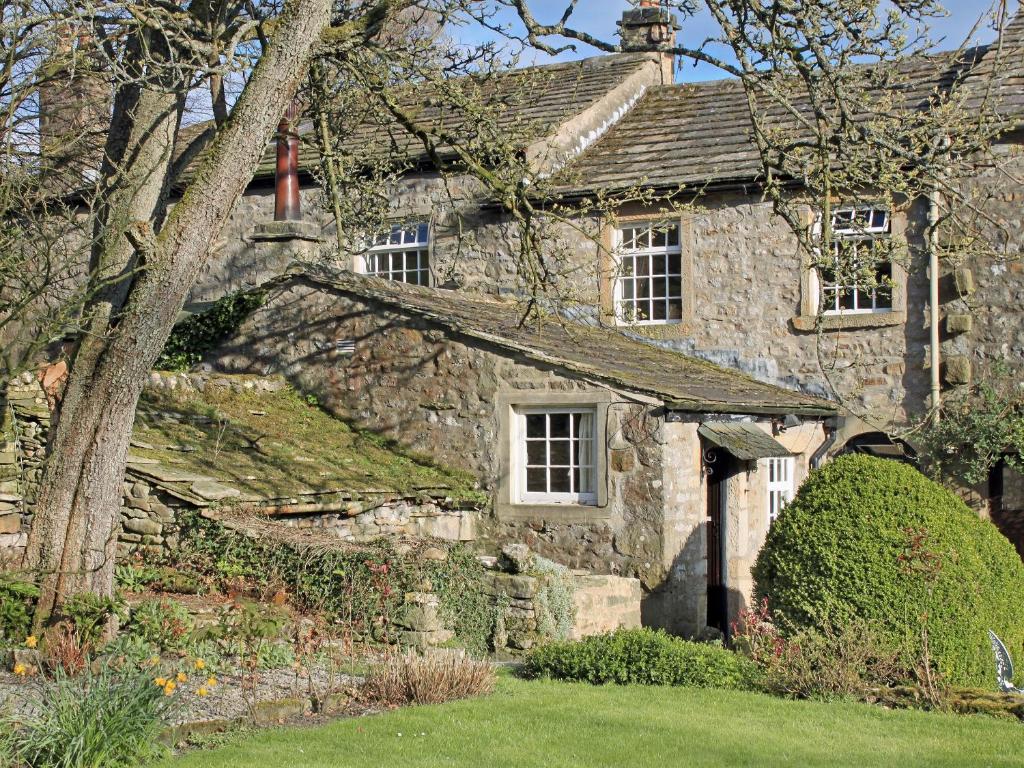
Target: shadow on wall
(682, 603)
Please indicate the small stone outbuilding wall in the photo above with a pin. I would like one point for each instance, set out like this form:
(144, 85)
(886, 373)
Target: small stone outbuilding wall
(450, 396)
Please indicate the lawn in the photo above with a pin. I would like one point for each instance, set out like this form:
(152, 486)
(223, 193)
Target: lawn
(556, 725)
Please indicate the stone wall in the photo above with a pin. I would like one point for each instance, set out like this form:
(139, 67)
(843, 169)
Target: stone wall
(439, 396)
(984, 297)
(415, 518)
(598, 604)
(24, 426)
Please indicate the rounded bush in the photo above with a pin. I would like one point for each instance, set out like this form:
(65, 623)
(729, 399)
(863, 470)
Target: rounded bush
(877, 540)
(641, 656)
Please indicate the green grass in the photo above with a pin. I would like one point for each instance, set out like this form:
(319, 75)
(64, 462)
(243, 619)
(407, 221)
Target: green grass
(558, 725)
(274, 444)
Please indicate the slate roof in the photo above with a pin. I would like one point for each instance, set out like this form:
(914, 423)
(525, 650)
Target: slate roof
(1004, 59)
(745, 441)
(529, 103)
(684, 383)
(699, 134)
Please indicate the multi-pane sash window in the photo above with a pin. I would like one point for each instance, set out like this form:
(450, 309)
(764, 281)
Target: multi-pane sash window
(402, 254)
(780, 485)
(862, 279)
(649, 284)
(557, 458)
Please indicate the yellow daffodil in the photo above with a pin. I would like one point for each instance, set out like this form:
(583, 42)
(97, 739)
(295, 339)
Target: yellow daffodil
(31, 641)
(21, 670)
(211, 681)
(202, 691)
(200, 664)
(169, 688)
(161, 681)
(182, 677)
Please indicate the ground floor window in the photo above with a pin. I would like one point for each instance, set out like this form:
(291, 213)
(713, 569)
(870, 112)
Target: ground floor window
(556, 451)
(780, 485)
(403, 254)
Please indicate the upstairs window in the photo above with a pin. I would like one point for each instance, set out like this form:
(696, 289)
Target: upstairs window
(556, 451)
(780, 485)
(862, 279)
(403, 254)
(649, 283)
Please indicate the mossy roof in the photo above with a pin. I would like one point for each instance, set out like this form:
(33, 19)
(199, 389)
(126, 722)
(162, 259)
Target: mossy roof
(682, 382)
(273, 445)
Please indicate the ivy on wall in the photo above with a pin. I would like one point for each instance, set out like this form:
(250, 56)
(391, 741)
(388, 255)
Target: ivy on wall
(193, 337)
(361, 589)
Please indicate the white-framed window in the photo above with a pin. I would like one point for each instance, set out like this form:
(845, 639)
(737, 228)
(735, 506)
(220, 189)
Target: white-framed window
(649, 279)
(780, 484)
(403, 254)
(556, 455)
(862, 280)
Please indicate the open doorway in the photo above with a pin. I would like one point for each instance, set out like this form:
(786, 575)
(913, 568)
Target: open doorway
(719, 466)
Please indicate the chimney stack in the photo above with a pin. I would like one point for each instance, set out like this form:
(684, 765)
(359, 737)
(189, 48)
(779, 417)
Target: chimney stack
(74, 111)
(651, 26)
(286, 191)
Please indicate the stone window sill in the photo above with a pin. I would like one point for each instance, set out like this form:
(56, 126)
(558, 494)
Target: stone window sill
(556, 513)
(849, 322)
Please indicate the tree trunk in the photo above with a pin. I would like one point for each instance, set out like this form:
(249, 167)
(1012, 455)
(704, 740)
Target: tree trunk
(73, 538)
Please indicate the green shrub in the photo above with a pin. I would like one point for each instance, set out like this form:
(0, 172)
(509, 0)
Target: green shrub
(164, 623)
(89, 613)
(641, 656)
(106, 717)
(875, 540)
(17, 598)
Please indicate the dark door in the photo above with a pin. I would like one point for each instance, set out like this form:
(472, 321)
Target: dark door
(718, 466)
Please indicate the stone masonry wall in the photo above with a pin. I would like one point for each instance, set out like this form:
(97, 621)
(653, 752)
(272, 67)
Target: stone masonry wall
(24, 425)
(438, 396)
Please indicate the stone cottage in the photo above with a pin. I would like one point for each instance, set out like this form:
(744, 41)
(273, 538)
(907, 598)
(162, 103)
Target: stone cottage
(606, 444)
(658, 430)
(598, 450)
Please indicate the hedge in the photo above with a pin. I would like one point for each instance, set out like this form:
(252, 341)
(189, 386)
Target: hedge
(876, 539)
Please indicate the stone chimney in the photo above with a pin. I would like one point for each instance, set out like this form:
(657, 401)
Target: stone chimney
(651, 25)
(74, 112)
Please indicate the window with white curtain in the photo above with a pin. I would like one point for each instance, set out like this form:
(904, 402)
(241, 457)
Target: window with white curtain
(556, 456)
(780, 484)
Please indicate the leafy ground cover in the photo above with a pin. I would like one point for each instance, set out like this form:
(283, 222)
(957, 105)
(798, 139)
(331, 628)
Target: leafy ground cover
(274, 444)
(563, 725)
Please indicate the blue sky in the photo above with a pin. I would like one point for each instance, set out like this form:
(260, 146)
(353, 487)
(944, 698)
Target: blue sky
(598, 17)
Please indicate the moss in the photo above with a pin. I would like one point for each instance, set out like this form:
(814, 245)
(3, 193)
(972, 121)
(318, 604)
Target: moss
(275, 445)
